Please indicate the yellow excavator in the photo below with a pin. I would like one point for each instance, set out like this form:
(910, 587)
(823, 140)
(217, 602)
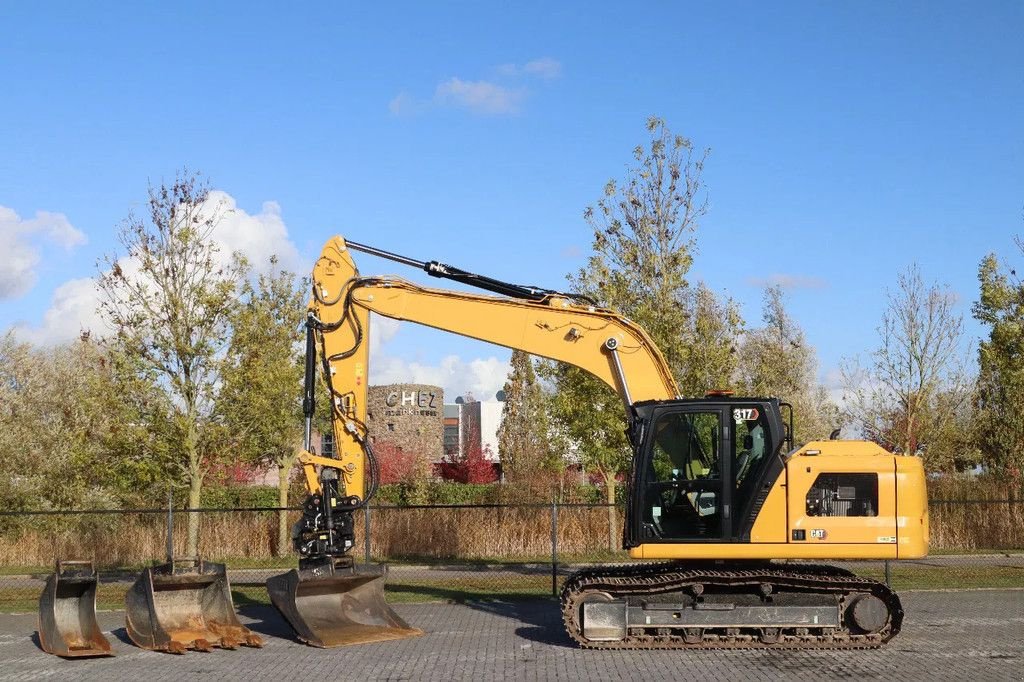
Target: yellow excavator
(716, 489)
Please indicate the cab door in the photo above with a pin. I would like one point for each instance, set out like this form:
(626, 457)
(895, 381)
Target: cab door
(684, 491)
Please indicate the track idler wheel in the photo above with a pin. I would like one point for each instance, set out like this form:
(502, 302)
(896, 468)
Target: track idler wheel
(867, 613)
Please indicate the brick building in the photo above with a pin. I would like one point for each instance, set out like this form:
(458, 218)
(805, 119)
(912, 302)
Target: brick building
(408, 416)
(414, 419)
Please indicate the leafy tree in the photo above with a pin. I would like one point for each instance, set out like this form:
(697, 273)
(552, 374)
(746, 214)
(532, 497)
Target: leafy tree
(776, 360)
(523, 441)
(1000, 389)
(261, 397)
(73, 427)
(644, 240)
(643, 249)
(169, 301)
(711, 337)
(895, 399)
(589, 415)
(399, 466)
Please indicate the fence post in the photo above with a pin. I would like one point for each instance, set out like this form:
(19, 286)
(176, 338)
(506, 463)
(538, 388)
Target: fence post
(888, 578)
(170, 524)
(366, 532)
(554, 548)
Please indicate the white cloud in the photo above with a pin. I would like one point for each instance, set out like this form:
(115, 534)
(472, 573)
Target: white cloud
(545, 68)
(789, 281)
(257, 237)
(404, 104)
(19, 244)
(835, 386)
(571, 251)
(484, 97)
(382, 330)
(73, 307)
(483, 377)
(479, 97)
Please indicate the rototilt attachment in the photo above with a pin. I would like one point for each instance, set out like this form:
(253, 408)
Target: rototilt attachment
(337, 604)
(185, 604)
(67, 612)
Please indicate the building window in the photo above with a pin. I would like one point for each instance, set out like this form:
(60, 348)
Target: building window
(391, 426)
(451, 439)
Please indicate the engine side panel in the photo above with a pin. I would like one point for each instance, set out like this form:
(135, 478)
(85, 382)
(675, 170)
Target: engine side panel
(842, 498)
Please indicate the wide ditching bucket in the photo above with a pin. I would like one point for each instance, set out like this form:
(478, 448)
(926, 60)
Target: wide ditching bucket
(67, 613)
(344, 606)
(185, 604)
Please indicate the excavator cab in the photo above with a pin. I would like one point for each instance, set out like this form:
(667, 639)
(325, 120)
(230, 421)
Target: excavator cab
(700, 466)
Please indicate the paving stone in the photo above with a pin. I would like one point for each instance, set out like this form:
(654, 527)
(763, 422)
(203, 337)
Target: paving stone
(976, 635)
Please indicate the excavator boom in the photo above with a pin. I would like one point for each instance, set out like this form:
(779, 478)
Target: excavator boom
(329, 600)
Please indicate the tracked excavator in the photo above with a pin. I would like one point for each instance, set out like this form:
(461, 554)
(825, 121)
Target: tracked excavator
(734, 514)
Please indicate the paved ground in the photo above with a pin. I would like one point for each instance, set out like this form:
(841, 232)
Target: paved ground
(976, 635)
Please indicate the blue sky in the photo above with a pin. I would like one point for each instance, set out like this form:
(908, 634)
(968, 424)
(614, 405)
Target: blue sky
(848, 140)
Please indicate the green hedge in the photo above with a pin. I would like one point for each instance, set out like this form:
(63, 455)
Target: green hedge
(428, 492)
(236, 496)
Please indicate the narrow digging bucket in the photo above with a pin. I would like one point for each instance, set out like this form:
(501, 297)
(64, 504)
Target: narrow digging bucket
(67, 613)
(185, 604)
(346, 606)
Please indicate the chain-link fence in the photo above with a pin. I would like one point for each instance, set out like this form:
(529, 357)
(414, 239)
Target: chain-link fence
(450, 553)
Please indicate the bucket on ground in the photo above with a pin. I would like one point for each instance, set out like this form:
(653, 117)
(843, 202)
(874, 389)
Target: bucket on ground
(185, 604)
(337, 604)
(67, 612)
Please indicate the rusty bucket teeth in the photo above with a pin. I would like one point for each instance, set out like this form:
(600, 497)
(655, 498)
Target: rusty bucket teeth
(344, 606)
(185, 604)
(67, 613)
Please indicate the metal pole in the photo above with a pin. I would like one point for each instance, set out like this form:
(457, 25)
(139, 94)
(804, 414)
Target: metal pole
(366, 532)
(888, 577)
(309, 385)
(612, 345)
(170, 524)
(381, 253)
(554, 548)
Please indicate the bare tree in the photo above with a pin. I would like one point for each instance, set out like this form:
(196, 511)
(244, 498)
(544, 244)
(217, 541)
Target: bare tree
(896, 398)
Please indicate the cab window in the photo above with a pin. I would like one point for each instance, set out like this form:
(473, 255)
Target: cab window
(686, 447)
(750, 441)
(684, 479)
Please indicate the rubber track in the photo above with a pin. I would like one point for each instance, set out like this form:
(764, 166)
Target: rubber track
(652, 579)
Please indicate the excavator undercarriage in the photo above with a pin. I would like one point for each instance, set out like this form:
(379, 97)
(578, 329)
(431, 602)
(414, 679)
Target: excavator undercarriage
(680, 605)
